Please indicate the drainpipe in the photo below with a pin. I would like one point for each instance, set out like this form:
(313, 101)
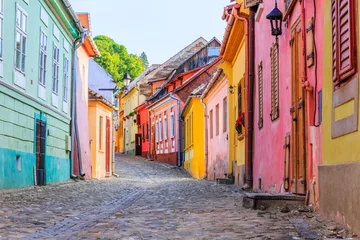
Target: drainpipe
(179, 132)
(249, 83)
(206, 137)
(76, 45)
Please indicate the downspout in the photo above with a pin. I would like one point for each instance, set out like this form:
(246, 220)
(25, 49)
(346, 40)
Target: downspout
(206, 137)
(179, 131)
(82, 174)
(250, 67)
(73, 101)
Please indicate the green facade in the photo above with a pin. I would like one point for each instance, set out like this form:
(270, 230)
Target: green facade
(23, 99)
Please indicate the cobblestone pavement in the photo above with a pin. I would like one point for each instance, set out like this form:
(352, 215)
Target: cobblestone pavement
(148, 201)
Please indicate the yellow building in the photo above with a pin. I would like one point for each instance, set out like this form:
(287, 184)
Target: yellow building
(340, 170)
(119, 134)
(193, 117)
(233, 51)
(101, 134)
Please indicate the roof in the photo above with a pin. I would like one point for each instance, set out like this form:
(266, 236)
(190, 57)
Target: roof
(141, 77)
(89, 43)
(100, 81)
(195, 94)
(219, 73)
(94, 96)
(172, 63)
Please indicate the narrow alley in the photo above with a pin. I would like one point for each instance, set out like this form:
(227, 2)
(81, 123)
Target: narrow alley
(149, 200)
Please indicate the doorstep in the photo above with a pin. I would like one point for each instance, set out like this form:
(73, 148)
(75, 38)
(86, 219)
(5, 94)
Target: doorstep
(267, 200)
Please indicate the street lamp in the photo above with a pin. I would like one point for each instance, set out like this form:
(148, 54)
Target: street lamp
(126, 79)
(275, 17)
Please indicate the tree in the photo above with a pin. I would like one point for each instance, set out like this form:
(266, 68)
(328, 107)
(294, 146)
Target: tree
(144, 60)
(116, 60)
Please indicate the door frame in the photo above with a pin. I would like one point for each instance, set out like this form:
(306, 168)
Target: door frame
(296, 78)
(40, 117)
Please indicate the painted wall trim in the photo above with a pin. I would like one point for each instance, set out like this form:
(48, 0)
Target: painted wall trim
(34, 99)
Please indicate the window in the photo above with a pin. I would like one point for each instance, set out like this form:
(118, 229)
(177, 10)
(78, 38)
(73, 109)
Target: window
(156, 131)
(239, 103)
(43, 57)
(172, 124)
(20, 40)
(121, 126)
(143, 131)
(213, 51)
(165, 128)
(147, 130)
(66, 79)
(160, 130)
(225, 114)
(274, 55)
(1, 27)
(100, 133)
(344, 47)
(55, 87)
(217, 119)
(260, 82)
(211, 124)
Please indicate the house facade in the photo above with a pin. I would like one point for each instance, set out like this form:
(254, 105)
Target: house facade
(233, 51)
(171, 93)
(82, 156)
(102, 109)
(142, 139)
(215, 98)
(287, 106)
(339, 169)
(35, 91)
(119, 131)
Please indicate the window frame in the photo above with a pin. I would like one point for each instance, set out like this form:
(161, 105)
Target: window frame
(55, 65)
(23, 36)
(217, 119)
(43, 52)
(165, 128)
(225, 115)
(211, 124)
(66, 79)
(100, 132)
(160, 130)
(172, 123)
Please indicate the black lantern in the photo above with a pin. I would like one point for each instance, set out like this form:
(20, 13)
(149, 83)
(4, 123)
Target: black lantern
(275, 17)
(126, 79)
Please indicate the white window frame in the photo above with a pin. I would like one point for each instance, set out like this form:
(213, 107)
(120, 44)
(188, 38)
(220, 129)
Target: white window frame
(160, 129)
(2, 29)
(156, 131)
(66, 79)
(22, 31)
(55, 70)
(172, 124)
(165, 128)
(43, 52)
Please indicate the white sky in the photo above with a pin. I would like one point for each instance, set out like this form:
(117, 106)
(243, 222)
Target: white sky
(160, 28)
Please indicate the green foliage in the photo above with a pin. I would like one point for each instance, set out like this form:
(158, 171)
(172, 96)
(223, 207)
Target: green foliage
(116, 60)
(144, 60)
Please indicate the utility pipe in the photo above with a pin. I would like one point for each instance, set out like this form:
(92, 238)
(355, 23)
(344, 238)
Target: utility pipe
(206, 137)
(179, 131)
(249, 85)
(73, 101)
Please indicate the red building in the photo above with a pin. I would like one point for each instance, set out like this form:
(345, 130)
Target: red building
(143, 130)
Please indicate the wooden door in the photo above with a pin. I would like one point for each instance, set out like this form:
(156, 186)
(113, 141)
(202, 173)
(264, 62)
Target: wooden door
(138, 144)
(40, 152)
(108, 149)
(298, 115)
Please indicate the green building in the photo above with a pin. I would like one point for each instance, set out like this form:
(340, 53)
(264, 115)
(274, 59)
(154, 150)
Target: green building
(36, 51)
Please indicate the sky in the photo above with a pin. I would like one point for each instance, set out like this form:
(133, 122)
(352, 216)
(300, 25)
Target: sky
(160, 28)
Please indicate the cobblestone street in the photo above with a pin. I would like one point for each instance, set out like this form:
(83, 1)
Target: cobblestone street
(148, 201)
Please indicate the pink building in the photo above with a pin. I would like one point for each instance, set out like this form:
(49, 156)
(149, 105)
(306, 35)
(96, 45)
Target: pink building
(287, 88)
(216, 144)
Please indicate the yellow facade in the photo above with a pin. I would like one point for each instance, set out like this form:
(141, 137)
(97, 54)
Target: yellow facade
(131, 101)
(234, 69)
(119, 134)
(97, 111)
(193, 117)
(344, 148)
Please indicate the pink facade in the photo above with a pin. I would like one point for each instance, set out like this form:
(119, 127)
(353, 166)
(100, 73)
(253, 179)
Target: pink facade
(269, 154)
(215, 97)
